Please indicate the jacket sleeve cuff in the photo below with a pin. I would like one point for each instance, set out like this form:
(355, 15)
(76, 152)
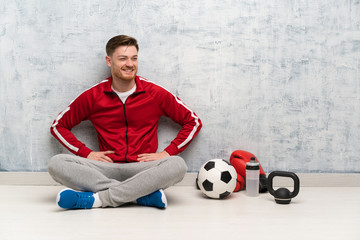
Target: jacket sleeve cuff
(84, 151)
(172, 150)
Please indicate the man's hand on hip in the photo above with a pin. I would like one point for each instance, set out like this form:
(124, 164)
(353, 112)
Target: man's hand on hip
(146, 157)
(101, 156)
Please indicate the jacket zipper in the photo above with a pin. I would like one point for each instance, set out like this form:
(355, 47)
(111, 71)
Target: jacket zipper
(126, 134)
(127, 127)
(126, 123)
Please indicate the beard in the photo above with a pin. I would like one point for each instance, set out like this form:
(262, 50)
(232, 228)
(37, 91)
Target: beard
(120, 74)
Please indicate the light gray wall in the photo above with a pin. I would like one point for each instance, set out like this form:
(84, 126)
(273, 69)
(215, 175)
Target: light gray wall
(276, 78)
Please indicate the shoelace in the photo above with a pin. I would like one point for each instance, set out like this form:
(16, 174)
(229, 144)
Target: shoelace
(84, 200)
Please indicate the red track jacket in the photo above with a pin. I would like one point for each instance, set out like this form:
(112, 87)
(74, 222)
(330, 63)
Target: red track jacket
(130, 128)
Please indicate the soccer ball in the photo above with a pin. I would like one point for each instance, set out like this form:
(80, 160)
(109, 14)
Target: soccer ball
(217, 178)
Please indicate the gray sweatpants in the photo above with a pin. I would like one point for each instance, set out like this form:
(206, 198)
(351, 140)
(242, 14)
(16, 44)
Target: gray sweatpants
(116, 183)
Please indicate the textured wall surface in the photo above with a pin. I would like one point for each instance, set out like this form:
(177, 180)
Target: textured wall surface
(277, 78)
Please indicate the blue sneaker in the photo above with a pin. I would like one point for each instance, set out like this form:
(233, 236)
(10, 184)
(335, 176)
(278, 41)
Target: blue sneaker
(71, 199)
(155, 199)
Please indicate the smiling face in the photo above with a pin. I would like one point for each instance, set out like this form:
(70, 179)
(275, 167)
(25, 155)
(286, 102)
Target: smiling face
(123, 63)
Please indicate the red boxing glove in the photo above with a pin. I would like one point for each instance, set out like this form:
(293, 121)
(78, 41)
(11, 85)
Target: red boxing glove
(238, 159)
(240, 183)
